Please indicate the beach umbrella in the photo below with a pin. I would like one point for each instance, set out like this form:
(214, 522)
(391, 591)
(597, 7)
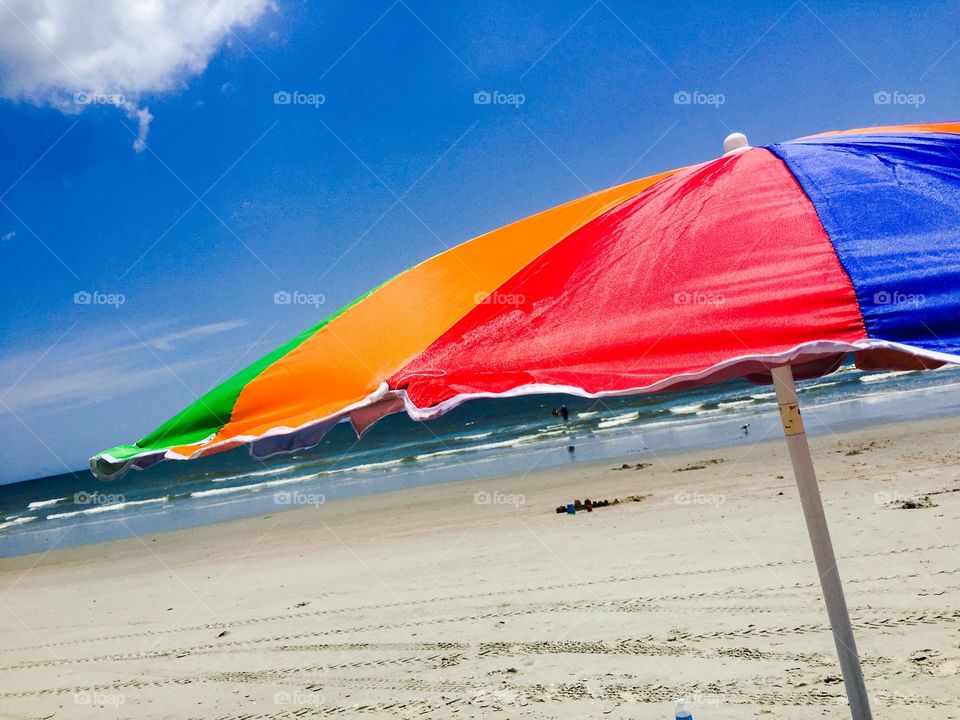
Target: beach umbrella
(772, 263)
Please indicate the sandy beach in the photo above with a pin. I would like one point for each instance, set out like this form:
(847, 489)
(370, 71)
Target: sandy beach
(475, 599)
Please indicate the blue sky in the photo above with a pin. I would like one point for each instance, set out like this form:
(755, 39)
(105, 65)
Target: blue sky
(230, 198)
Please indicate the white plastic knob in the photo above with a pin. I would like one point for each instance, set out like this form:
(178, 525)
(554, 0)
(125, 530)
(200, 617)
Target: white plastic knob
(735, 142)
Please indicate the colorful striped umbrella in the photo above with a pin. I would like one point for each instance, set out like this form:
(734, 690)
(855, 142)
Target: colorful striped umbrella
(776, 260)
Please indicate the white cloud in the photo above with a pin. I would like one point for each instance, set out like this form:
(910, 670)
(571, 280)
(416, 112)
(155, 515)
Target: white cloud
(144, 118)
(86, 368)
(167, 342)
(72, 53)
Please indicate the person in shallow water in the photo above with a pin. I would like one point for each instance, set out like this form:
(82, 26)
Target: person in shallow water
(565, 414)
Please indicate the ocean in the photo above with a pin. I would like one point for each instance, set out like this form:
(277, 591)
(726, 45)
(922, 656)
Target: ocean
(480, 439)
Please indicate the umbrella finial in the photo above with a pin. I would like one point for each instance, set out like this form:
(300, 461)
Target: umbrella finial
(735, 142)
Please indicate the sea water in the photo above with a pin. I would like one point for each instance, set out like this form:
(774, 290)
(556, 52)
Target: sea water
(481, 438)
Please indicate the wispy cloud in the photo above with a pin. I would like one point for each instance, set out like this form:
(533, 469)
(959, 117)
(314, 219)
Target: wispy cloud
(71, 54)
(169, 341)
(89, 368)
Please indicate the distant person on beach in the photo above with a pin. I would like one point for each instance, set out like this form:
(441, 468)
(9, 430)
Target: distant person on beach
(564, 413)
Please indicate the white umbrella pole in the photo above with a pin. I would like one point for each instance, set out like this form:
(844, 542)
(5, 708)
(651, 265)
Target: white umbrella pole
(820, 540)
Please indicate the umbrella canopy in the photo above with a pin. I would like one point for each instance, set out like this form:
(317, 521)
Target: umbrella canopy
(794, 253)
(768, 263)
